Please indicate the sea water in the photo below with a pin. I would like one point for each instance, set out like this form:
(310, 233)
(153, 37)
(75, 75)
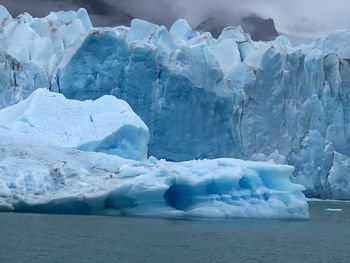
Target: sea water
(35, 238)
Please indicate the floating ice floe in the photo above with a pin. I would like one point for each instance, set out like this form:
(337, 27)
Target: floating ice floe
(334, 209)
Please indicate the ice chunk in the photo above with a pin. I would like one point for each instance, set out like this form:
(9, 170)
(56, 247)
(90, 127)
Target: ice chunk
(334, 209)
(141, 30)
(22, 38)
(240, 76)
(105, 125)
(283, 43)
(83, 16)
(38, 178)
(227, 53)
(182, 32)
(199, 63)
(263, 54)
(84, 73)
(235, 33)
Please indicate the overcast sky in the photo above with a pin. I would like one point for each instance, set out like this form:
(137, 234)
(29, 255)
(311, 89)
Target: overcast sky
(304, 18)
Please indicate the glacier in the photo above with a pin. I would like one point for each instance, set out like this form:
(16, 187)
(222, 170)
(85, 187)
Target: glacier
(68, 156)
(200, 97)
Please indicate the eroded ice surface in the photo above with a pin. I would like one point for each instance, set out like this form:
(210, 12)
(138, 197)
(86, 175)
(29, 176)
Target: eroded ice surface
(39, 178)
(201, 97)
(105, 125)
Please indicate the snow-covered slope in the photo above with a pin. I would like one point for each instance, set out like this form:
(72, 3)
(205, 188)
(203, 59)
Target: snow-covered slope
(106, 125)
(39, 178)
(201, 97)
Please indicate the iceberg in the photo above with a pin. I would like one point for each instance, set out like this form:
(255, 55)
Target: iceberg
(105, 125)
(201, 97)
(69, 156)
(47, 179)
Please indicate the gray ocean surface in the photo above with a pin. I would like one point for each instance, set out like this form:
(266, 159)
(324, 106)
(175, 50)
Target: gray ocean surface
(35, 238)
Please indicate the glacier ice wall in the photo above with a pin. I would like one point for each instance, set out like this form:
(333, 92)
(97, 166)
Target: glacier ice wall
(201, 97)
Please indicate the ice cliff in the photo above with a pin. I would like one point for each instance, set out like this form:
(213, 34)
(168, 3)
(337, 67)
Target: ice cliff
(65, 156)
(201, 97)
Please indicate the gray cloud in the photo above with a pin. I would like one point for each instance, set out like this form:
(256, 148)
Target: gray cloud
(296, 18)
(311, 18)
